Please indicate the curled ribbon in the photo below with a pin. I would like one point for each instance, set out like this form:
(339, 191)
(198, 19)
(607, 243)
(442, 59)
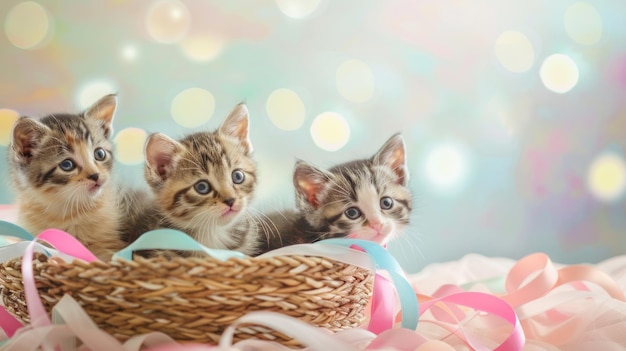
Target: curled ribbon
(520, 290)
(523, 293)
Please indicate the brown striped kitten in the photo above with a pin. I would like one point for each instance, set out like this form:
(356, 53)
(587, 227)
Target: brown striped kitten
(364, 199)
(203, 183)
(60, 167)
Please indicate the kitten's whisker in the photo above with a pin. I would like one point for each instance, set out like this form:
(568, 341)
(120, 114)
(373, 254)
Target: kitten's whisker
(338, 201)
(256, 225)
(194, 162)
(344, 186)
(51, 147)
(268, 227)
(345, 202)
(412, 241)
(402, 249)
(75, 203)
(66, 203)
(197, 221)
(341, 189)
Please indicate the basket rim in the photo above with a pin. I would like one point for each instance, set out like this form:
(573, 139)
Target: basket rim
(328, 252)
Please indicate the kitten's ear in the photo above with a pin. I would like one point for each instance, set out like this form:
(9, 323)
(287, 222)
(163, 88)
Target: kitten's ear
(310, 183)
(236, 125)
(27, 134)
(103, 111)
(161, 153)
(393, 155)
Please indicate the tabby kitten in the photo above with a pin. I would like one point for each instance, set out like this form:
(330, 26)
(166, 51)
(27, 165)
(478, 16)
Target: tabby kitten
(203, 183)
(60, 167)
(364, 199)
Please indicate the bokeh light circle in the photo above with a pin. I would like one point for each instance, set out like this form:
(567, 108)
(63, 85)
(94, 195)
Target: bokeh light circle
(129, 144)
(202, 48)
(606, 177)
(7, 120)
(355, 81)
(28, 25)
(93, 91)
(583, 23)
(514, 51)
(446, 166)
(168, 21)
(559, 73)
(129, 53)
(192, 107)
(285, 109)
(297, 8)
(330, 131)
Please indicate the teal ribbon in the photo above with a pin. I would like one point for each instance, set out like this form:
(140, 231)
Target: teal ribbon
(14, 230)
(384, 260)
(8, 229)
(171, 239)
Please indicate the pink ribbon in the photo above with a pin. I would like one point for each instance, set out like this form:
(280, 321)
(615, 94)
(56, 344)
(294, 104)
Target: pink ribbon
(36, 311)
(65, 243)
(485, 303)
(8, 323)
(548, 277)
(382, 305)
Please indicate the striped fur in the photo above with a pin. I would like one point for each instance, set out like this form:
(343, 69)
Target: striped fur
(211, 161)
(376, 188)
(80, 200)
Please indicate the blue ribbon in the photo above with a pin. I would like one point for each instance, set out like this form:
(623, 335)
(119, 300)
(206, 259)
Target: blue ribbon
(14, 230)
(171, 239)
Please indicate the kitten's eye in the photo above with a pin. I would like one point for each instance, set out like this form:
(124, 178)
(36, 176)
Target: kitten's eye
(386, 203)
(202, 187)
(353, 213)
(238, 177)
(67, 165)
(99, 154)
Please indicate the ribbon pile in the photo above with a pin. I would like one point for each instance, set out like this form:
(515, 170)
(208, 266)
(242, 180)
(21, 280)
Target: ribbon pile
(575, 307)
(536, 306)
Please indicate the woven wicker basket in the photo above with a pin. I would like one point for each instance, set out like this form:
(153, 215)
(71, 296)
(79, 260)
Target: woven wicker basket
(195, 299)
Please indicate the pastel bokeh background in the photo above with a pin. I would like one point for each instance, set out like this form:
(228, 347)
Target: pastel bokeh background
(513, 112)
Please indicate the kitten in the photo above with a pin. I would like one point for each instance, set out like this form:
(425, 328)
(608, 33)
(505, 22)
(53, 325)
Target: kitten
(365, 199)
(203, 183)
(61, 167)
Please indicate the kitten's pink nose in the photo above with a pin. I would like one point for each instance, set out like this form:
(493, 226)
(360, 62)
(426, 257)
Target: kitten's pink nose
(376, 225)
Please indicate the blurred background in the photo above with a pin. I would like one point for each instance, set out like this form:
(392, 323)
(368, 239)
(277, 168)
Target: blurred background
(513, 112)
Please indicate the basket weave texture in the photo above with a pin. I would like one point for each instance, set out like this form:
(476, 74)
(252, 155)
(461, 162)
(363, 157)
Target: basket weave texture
(195, 299)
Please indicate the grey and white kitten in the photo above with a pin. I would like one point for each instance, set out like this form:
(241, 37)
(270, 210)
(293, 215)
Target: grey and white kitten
(61, 168)
(366, 199)
(204, 183)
